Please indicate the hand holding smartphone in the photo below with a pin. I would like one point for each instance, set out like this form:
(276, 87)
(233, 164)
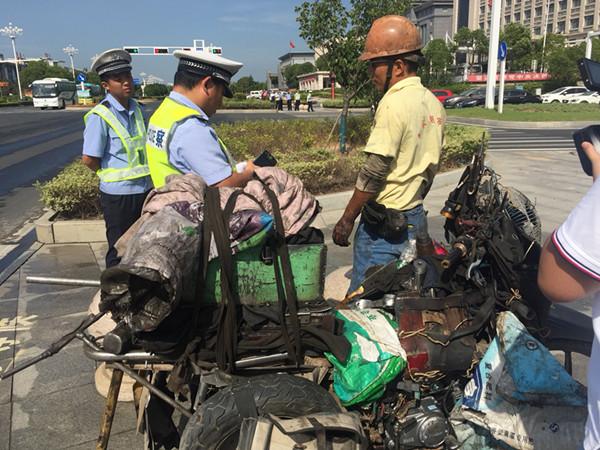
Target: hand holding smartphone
(589, 134)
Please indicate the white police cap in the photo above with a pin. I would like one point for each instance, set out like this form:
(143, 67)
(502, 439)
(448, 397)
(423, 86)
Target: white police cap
(208, 64)
(114, 60)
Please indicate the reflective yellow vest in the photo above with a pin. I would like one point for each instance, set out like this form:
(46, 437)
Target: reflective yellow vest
(162, 124)
(134, 145)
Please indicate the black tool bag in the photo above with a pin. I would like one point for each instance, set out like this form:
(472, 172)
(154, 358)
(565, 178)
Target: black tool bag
(391, 224)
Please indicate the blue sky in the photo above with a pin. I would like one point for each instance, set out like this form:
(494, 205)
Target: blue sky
(255, 32)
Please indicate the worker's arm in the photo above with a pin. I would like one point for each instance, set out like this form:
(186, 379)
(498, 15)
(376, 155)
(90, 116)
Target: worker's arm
(371, 179)
(91, 162)
(560, 280)
(569, 266)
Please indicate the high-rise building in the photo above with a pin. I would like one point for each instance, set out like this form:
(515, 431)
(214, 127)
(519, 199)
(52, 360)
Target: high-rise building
(433, 18)
(572, 18)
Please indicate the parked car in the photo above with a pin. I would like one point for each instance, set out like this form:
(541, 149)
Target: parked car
(563, 94)
(255, 94)
(586, 97)
(517, 96)
(442, 94)
(452, 102)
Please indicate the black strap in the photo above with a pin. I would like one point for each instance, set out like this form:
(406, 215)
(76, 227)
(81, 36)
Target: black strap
(215, 225)
(439, 304)
(289, 289)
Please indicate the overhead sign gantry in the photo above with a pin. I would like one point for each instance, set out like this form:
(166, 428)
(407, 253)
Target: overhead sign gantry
(165, 50)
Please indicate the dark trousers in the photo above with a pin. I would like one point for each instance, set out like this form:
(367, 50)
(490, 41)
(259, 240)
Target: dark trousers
(289, 105)
(310, 107)
(120, 212)
(297, 105)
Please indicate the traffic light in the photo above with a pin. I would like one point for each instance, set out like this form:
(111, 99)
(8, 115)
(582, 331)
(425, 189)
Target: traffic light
(160, 50)
(216, 50)
(133, 50)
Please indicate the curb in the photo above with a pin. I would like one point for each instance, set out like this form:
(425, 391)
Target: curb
(51, 231)
(517, 125)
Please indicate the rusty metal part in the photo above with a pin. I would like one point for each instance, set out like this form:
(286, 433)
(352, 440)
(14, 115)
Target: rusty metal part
(109, 409)
(391, 36)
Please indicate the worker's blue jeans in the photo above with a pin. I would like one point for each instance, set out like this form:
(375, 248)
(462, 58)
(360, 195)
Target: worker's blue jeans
(371, 249)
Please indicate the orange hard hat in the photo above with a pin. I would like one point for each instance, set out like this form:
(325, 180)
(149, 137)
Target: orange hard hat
(391, 36)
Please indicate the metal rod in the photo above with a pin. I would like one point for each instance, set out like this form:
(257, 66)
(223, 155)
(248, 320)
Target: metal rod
(133, 374)
(259, 360)
(109, 410)
(63, 281)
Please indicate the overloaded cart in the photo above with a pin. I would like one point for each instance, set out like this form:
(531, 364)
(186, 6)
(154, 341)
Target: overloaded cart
(220, 320)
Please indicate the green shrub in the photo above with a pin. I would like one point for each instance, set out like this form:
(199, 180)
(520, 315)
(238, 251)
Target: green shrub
(461, 142)
(73, 193)
(251, 103)
(354, 103)
(302, 147)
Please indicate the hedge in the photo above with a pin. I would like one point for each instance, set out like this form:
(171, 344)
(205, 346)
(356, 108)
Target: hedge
(300, 146)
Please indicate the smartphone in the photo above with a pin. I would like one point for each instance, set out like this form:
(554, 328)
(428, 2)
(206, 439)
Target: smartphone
(590, 73)
(588, 134)
(265, 159)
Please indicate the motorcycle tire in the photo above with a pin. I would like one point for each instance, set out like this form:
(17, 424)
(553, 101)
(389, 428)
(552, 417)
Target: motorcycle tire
(216, 424)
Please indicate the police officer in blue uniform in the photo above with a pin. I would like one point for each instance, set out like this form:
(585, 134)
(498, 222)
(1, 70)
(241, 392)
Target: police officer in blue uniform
(114, 147)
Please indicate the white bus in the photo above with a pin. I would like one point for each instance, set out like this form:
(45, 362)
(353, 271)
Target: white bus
(53, 93)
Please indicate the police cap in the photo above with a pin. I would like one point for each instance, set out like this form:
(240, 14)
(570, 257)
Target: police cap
(208, 64)
(114, 60)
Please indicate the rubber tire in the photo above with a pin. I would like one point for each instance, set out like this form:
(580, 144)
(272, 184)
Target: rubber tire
(555, 101)
(281, 395)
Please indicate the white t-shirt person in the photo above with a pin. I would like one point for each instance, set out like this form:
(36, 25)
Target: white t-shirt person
(570, 270)
(578, 241)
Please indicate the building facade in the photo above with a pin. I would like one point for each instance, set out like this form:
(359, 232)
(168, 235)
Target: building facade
(572, 18)
(290, 59)
(433, 18)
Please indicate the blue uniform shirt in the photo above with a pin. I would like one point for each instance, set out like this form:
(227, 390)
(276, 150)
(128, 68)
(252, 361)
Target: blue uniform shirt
(194, 146)
(100, 141)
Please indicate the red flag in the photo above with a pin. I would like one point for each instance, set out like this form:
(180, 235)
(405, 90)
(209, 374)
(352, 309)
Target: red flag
(292, 44)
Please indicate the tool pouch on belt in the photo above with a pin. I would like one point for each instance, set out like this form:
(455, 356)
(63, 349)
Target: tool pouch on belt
(438, 334)
(386, 222)
(336, 431)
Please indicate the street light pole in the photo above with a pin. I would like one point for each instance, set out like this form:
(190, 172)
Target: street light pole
(71, 51)
(493, 54)
(545, 34)
(12, 32)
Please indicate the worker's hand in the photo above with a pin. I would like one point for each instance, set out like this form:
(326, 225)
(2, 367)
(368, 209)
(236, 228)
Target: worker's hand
(342, 231)
(594, 155)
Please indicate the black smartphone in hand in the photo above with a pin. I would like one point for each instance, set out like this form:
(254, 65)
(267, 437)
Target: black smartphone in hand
(589, 134)
(265, 159)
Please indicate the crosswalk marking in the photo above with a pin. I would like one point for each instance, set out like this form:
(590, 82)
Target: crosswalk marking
(507, 140)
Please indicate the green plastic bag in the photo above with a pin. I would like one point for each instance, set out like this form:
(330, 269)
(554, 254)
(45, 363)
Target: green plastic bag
(376, 356)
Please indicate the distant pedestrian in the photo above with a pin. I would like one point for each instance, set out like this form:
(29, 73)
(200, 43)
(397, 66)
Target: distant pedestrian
(288, 98)
(280, 101)
(297, 101)
(309, 100)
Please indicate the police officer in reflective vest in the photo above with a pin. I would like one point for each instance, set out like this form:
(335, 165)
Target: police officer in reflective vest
(180, 139)
(114, 147)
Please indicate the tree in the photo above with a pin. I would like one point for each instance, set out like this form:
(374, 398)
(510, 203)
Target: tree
(322, 63)
(520, 47)
(554, 42)
(340, 32)
(292, 71)
(562, 62)
(156, 90)
(247, 84)
(36, 70)
(438, 57)
(481, 44)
